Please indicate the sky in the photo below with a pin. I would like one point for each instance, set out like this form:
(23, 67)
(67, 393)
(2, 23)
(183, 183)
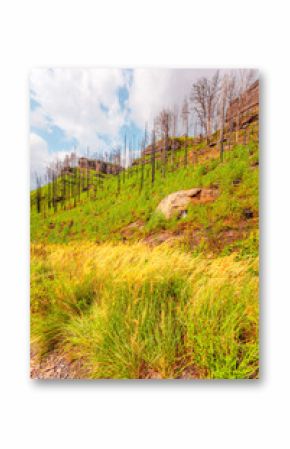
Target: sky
(90, 110)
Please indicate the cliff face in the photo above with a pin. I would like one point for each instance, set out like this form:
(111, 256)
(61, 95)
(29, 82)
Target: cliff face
(99, 166)
(244, 109)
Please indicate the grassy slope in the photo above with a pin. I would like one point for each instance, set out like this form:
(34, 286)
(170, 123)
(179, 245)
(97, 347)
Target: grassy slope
(108, 215)
(130, 311)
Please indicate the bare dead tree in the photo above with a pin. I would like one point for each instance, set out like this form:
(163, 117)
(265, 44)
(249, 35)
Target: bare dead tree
(49, 186)
(129, 156)
(38, 193)
(142, 158)
(196, 126)
(73, 182)
(230, 95)
(245, 78)
(142, 162)
(118, 163)
(199, 101)
(222, 112)
(124, 158)
(185, 120)
(226, 95)
(79, 182)
(63, 184)
(88, 171)
(153, 156)
(174, 115)
(200, 123)
(54, 189)
(163, 122)
(204, 96)
(67, 168)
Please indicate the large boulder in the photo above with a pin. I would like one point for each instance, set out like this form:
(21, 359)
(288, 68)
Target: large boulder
(177, 203)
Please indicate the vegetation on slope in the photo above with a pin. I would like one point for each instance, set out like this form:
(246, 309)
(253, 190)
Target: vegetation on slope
(132, 312)
(185, 308)
(108, 216)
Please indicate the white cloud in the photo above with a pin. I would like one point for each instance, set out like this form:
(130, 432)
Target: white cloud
(154, 89)
(82, 102)
(38, 119)
(40, 157)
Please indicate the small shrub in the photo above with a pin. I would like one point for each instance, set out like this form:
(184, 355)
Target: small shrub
(156, 222)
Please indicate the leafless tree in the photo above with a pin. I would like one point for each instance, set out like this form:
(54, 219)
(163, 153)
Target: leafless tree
(49, 186)
(88, 171)
(199, 122)
(231, 92)
(198, 99)
(185, 120)
(226, 94)
(117, 162)
(142, 157)
(245, 77)
(38, 192)
(204, 96)
(174, 115)
(153, 156)
(222, 113)
(163, 122)
(124, 157)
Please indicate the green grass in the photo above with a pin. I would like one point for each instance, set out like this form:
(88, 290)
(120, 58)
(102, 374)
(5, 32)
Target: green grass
(188, 307)
(128, 311)
(105, 217)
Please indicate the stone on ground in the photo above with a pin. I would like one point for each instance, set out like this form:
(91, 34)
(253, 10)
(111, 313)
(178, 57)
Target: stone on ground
(177, 203)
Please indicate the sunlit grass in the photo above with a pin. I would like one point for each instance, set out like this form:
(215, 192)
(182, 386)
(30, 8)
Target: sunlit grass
(104, 218)
(128, 310)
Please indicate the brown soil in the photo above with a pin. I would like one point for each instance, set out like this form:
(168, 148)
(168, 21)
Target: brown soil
(130, 230)
(55, 366)
(192, 372)
(159, 238)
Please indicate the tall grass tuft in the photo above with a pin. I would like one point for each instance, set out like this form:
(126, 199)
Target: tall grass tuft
(129, 311)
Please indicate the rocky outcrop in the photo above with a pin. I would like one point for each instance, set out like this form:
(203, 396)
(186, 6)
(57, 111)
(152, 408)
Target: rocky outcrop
(177, 203)
(244, 109)
(99, 166)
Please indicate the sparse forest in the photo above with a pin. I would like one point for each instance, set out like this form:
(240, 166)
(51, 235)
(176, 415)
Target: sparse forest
(120, 289)
(214, 123)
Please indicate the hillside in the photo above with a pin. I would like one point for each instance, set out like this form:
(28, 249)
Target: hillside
(129, 294)
(128, 215)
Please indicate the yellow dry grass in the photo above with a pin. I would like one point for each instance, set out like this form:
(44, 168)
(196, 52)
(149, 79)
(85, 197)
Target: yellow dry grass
(155, 307)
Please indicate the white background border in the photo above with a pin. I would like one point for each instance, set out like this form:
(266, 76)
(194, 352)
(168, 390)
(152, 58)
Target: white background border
(224, 33)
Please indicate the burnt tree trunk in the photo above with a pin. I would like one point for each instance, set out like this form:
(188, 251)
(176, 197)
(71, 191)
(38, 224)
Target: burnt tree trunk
(153, 158)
